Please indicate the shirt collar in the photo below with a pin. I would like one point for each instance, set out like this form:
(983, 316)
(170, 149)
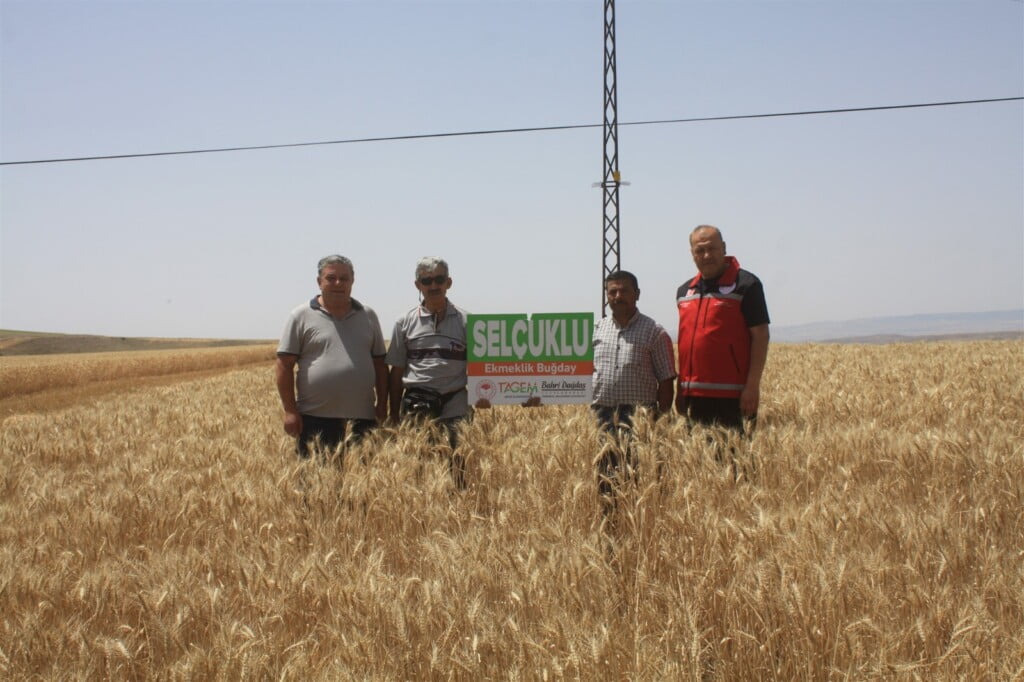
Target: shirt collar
(448, 310)
(314, 303)
(629, 322)
(728, 276)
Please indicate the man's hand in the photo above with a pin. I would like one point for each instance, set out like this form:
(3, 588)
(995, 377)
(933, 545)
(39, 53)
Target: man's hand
(293, 423)
(749, 399)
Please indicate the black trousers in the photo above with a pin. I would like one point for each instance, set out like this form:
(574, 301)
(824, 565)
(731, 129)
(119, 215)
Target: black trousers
(457, 463)
(449, 429)
(720, 413)
(723, 412)
(330, 433)
(618, 463)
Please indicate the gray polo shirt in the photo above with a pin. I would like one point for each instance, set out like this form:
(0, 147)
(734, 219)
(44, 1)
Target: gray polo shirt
(335, 367)
(433, 353)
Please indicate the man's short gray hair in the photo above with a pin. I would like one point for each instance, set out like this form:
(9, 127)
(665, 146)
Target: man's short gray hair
(429, 264)
(333, 259)
(706, 227)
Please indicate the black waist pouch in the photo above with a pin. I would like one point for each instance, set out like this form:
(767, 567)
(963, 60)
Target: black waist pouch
(423, 402)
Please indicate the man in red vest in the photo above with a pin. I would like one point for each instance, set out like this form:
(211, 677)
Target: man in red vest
(723, 336)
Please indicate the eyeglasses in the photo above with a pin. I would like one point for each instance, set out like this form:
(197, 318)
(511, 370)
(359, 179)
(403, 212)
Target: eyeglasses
(436, 279)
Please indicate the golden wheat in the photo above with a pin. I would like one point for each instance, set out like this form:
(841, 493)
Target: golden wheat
(20, 375)
(874, 531)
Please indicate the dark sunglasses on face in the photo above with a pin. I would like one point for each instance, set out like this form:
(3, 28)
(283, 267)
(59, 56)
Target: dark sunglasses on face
(436, 279)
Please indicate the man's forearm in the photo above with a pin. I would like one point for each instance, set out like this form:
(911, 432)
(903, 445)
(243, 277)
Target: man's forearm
(395, 390)
(285, 376)
(758, 354)
(381, 383)
(665, 392)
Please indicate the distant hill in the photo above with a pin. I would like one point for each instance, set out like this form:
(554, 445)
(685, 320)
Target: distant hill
(953, 326)
(42, 343)
(996, 324)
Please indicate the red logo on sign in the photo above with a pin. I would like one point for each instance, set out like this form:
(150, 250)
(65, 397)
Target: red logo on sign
(486, 390)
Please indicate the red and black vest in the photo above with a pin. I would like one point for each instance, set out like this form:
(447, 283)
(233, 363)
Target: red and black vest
(714, 341)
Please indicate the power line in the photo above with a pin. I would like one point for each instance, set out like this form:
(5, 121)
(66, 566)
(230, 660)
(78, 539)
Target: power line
(505, 131)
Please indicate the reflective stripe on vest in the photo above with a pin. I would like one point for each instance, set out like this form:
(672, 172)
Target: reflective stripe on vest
(714, 294)
(711, 387)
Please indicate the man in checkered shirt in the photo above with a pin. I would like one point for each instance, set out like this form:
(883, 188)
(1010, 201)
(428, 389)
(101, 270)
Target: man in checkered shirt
(633, 367)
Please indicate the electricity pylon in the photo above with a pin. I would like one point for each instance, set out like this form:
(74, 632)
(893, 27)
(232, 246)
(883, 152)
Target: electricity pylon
(612, 179)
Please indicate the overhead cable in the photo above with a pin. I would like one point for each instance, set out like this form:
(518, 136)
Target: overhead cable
(504, 131)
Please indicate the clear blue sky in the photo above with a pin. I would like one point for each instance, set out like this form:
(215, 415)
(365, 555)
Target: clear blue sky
(842, 216)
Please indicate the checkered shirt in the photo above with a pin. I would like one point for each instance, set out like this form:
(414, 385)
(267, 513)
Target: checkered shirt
(630, 361)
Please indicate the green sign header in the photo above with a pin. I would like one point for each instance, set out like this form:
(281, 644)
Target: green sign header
(544, 337)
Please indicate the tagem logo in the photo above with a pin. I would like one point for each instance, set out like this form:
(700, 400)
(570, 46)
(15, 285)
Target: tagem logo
(517, 387)
(486, 390)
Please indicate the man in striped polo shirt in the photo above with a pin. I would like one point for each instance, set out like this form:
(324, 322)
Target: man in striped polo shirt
(427, 356)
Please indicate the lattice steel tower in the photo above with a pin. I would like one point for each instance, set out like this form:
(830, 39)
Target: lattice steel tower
(612, 180)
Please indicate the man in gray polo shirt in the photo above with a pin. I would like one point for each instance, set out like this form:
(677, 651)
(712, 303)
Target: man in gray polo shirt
(337, 346)
(428, 351)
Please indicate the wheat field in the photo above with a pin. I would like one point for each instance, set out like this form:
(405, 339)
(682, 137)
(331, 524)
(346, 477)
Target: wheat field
(875, 530)
(30, 383)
